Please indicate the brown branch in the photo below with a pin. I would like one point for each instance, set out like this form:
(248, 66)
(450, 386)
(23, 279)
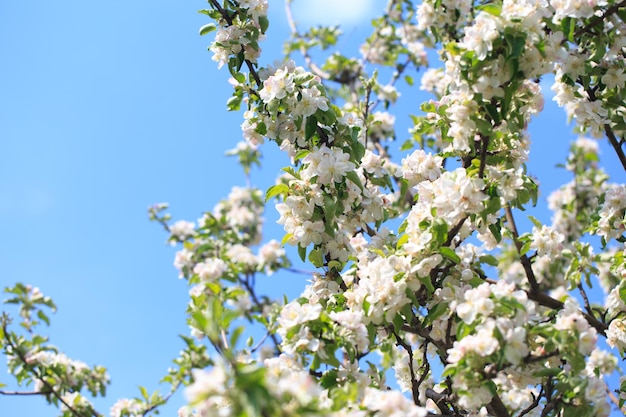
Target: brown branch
(366, 111)
(409, 350)
(535, 293)
(425, 366)
(533, 405)
(425, 333)
(616, 145)
(530, 274)
(441, 399)
(583, 294)
(497, 408)
(484, 145)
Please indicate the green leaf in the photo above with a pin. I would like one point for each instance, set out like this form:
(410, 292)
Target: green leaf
(214, 14)
(440, 230)
(428, 284)
(144, 392)
(43, 317)
(302, 252)
(517, 46)
(489, 260)
(491, 8)
(483, 126)
(403, 239)
(352, 176)
(329, 209)
(335, 265)
(525, 248)
(301, 154)
(234, 338)
(310, 127)
(446, 252)
(568, 26)
(536, 222)
(496, 231)
(292, 172)
(316, 258)
(264, 23)
(274, 190)
(437, 311)
(208, 28)
(234, 103)
(358, 150)
(329, 378)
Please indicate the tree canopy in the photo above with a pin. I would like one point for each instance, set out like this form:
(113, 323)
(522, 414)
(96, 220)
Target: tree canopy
(428, 293)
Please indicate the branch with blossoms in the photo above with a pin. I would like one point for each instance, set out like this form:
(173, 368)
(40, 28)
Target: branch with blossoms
(57, 378)
(420, 274)
(432, 246)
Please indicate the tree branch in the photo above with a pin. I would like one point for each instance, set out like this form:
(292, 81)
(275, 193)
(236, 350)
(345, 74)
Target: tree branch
(51, 389)
(596, 20)
(409, 351)
(497, 408)
(535, 293)
(615, 144)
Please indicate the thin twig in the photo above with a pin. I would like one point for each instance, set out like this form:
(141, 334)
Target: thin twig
(613, 398)
(583, 294)
(303, 50)
(615, 144)
(409, 351)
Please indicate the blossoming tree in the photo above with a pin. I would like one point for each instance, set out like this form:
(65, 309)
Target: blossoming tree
(425, 297)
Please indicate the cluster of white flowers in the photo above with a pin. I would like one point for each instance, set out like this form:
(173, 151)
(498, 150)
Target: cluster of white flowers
(209, 391)
(547, 242)
(612, 223)
(570, 319)
(242, 35)
(182, 230)
(242, 211)
(449, 199)
(66, 371)
(428, 288)
(480, 35)
(126, 407)
(391, 404)
(449, 13)
(381, 289)
(574, 8)
(382, 126)
(77, 402)
(421, 166)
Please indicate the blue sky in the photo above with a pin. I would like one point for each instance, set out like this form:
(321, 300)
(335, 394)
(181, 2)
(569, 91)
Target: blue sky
(106, 108)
